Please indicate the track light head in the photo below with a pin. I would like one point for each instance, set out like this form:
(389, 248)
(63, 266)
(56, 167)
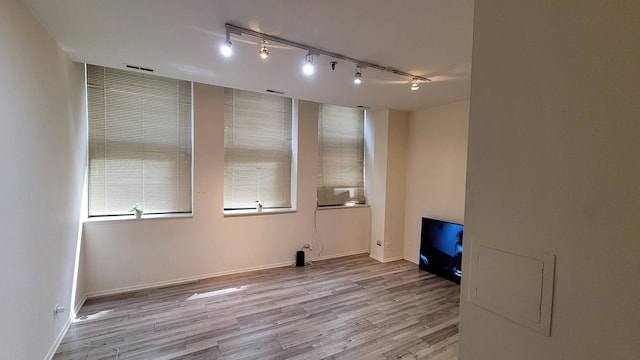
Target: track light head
(264, 51)
(308, 67)
(357, 79)
(225, 49)
(415, 86)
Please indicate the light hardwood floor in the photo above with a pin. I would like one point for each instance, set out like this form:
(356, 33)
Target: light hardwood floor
(346, 308)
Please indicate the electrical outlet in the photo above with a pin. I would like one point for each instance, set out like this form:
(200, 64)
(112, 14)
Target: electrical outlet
(379, 242)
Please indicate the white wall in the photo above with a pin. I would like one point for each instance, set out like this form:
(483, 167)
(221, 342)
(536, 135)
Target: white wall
(386, 136)
(554, 166)
(131, 254)
(395, 184)
(376, 177)
(43, 158)
(436, 169)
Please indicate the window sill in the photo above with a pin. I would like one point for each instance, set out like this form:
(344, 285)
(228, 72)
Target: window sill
(322, 208)
(103, 219)
(253, 212)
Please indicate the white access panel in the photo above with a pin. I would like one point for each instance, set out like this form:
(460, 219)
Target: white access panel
(516, 287)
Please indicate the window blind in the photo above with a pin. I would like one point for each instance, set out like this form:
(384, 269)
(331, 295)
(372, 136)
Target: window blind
(140, 147)
(257, 156)
(340, 175)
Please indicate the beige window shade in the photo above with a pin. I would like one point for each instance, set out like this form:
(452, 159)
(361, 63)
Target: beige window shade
(257, 156)
(340, 176)
(140, 147)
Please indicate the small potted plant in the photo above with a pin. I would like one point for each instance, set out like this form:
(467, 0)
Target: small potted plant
(259, 205)
(137, 209)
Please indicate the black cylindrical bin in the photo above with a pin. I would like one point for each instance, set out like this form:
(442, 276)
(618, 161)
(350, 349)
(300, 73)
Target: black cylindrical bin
(300, 258)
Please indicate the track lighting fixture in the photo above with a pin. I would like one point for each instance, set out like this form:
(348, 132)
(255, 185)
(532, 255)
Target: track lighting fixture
(225, 48)
(308, 66)
(264, 51)
(415, 85)
(357, 79)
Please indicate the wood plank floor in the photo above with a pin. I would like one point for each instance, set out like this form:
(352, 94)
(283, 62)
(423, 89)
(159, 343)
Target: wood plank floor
(346, 308)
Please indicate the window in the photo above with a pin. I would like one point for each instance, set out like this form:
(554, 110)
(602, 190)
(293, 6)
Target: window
(257, 150)
(340, 179)
(140, 130)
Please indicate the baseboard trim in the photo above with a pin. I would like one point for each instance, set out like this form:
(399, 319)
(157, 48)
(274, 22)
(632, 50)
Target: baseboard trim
(351, 253)
(396, 258)
(63, 331)
(377, 258)
(159, 284)
(79, 304)
(58, 340)
(415, 261)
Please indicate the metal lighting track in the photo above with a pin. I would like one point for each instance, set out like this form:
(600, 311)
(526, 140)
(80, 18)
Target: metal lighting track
(233, 29)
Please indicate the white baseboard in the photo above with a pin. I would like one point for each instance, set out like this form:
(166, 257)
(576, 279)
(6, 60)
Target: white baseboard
(396, 258)
(351, 253)
(415, 261)
(79, 304)
(377, 258)
(63, 331)
(58, 340)
(206, 276)
(180, 281)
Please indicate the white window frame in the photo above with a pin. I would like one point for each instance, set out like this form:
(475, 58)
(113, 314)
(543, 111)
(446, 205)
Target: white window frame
(355, 195)
(184, 205)
(230, 212)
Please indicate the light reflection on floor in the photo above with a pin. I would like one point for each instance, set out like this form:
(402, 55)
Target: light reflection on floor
(91, 316)
(215, 293)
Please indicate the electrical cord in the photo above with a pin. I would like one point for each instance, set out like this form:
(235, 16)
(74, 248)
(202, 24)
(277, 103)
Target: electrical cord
(316, 239)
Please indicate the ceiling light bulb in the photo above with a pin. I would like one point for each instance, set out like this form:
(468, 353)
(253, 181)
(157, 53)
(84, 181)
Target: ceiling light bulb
(225, 48)
(415, 85)
(308, 67)
(264, 52)
(358, 78)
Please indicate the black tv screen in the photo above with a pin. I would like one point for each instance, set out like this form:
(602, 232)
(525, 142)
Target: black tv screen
(441, 248)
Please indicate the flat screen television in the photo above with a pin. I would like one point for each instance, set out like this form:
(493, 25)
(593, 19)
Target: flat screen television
(441, 248)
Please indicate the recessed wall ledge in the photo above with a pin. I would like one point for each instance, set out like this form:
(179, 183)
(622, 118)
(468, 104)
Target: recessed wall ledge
(322, 208)
(254, 212)
(102, 219)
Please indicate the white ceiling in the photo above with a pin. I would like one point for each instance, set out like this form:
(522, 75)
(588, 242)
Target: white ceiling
(181, 39)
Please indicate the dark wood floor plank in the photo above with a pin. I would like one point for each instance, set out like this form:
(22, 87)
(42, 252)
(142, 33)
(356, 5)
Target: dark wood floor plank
(345, 308)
